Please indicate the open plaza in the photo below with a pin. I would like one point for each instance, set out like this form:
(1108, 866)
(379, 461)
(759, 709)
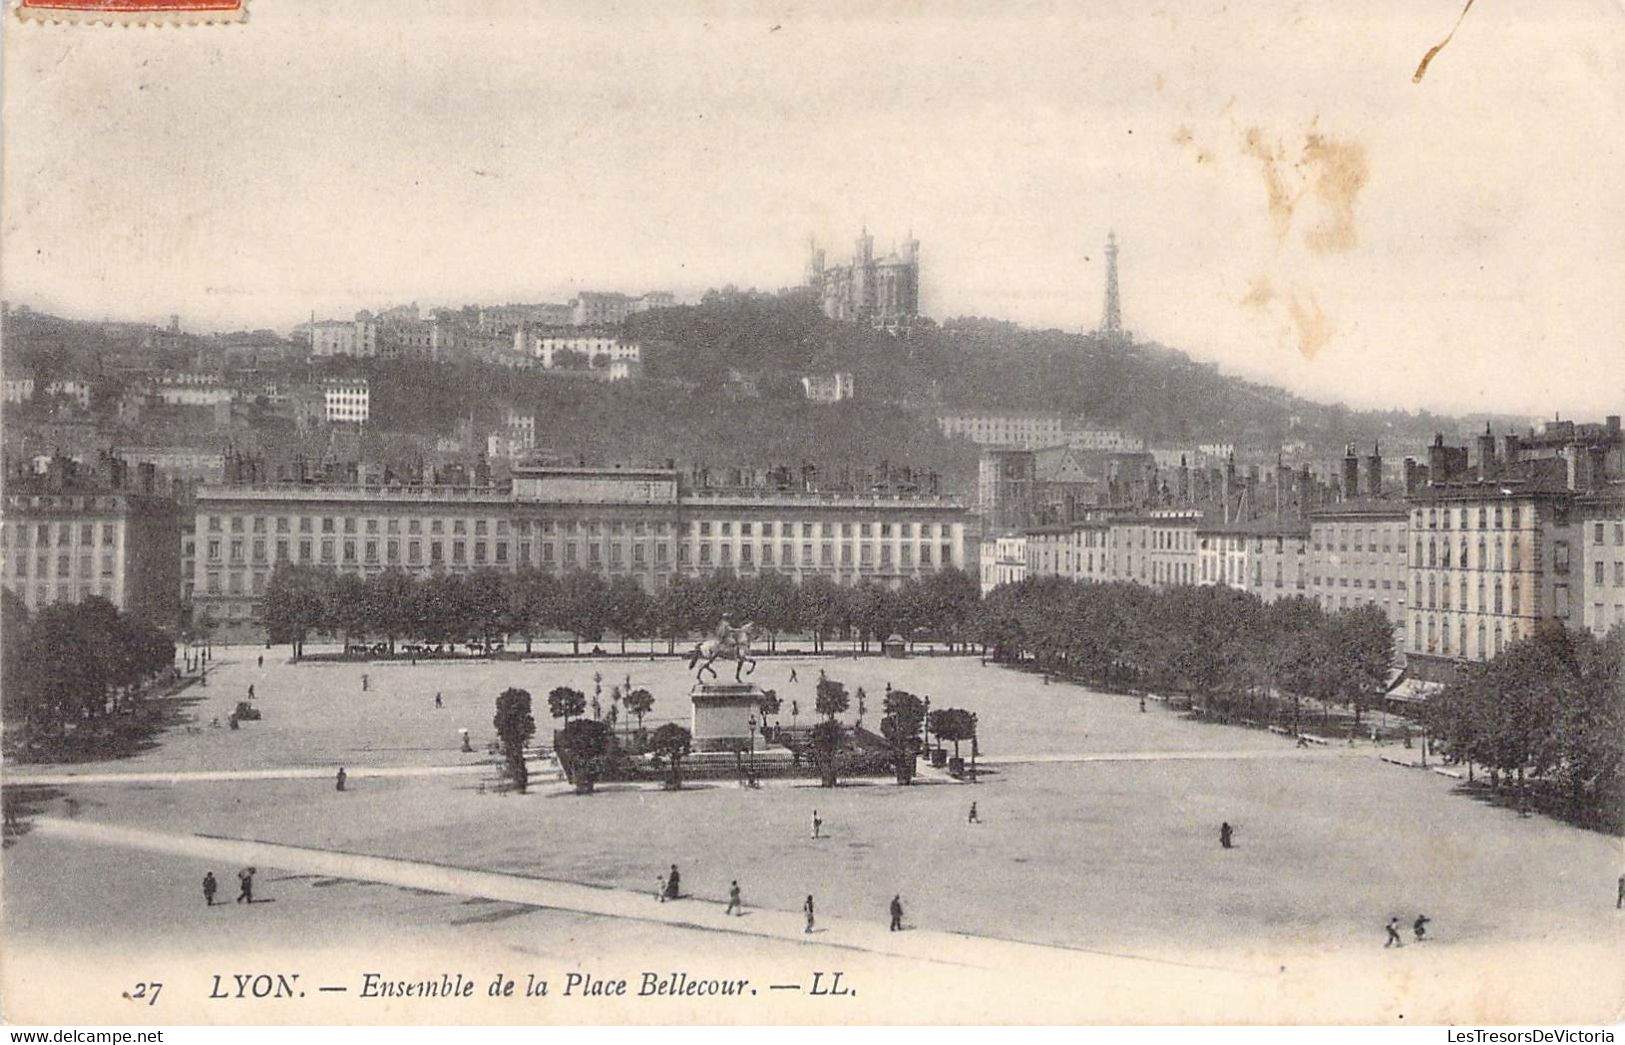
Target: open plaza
(1096, 863)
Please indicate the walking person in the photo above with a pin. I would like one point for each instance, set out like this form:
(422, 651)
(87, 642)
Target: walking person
(365, 681)
(340, 779)
(245, 882)
(261, 660)
(1393, 934)
(974, 819)
(250, 691)
(673, 884)
(1226, 833)
(792, 673)
(818, 825)
(437, 701)
(807, 909)
(735, 906)
(897, 913)
(1619, 900)
(1420, 926)
(209, 887)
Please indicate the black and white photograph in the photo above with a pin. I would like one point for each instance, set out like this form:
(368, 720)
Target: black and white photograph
(714, 513)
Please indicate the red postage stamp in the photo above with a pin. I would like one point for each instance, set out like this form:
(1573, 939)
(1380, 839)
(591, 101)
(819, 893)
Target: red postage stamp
(155, 12)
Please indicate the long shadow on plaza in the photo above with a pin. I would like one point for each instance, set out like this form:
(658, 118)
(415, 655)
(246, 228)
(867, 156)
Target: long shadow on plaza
(1539, 802)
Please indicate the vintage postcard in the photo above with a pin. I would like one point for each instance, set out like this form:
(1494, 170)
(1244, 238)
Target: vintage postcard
(863, 513)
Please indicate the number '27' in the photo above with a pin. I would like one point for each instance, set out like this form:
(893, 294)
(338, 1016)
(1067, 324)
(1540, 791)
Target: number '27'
(148, 991)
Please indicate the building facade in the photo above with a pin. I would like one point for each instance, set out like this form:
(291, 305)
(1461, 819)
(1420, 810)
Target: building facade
(596, 347)
(346, 401)
(828, 388)
(1359, 555)
(634, 522)
(1003, 560)
(337, 337)
(1266, 557)
(1601, 522)
(1488, 561)
(66, 545)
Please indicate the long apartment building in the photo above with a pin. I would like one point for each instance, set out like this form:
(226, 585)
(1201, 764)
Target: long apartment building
(636, 522)
(1031, 431)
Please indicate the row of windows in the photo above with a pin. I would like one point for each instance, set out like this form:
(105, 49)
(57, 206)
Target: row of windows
(1599, 570)
(63, 591)
(1597, 530)
(390, 551)
(1503, 517)
(1490, 642)
(64, 565)
(592, 527)
(64, 532)
(1438, 555)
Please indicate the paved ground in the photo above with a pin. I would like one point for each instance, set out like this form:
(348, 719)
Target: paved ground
(1099, 840)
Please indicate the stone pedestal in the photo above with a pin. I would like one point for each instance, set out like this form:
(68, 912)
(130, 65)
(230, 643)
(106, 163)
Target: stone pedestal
(722, 714)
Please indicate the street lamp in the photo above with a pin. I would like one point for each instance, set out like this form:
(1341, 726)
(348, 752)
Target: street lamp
(750, 777)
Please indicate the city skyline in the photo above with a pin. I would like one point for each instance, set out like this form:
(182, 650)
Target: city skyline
(1333, 229)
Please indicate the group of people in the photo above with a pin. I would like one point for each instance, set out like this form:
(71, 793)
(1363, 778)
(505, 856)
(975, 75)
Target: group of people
(1419, 927)
(245, 881)
(668, 886)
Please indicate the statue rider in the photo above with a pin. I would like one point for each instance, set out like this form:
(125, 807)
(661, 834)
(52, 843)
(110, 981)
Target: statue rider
(726, 635)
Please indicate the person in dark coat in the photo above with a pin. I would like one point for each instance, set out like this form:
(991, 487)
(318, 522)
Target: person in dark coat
(1420, 926)
(245, 879)
(209, 887)
(341, 778)
(897, 913)
(735, 905)
(1393, 934)
(807, 909)
(673, 884)
(1226, 833)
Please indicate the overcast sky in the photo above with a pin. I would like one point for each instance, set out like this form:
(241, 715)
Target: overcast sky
(1290, 205)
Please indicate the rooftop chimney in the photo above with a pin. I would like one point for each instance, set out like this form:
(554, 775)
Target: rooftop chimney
(1351, 473)
(1486, 454)
(1373, 472)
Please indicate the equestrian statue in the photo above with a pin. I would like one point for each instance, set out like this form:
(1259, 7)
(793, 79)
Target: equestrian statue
(725, 643)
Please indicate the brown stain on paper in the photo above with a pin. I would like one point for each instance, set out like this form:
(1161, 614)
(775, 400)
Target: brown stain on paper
(1311, 324)
(1329, 173)
(1333, 171)
(1339, 175)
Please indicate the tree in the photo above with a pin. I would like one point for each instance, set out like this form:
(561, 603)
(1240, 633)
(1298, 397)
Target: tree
(671, 610)
(775, 606)
(390, 596)
(770, 703)
(825, 743)
(626, 608)
(1364, 642)
(515, 727)
(639, 702)
(831, 698)
(566, 703)
(953, 725)
(670, 744)
(486, 603)
(533, 602)
(819, 602)
(583, 599)
(345, 613)
(582, 748)
(900, 725)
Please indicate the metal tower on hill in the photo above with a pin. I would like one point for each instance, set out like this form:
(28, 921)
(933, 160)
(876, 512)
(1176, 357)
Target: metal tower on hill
(1111, 321)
